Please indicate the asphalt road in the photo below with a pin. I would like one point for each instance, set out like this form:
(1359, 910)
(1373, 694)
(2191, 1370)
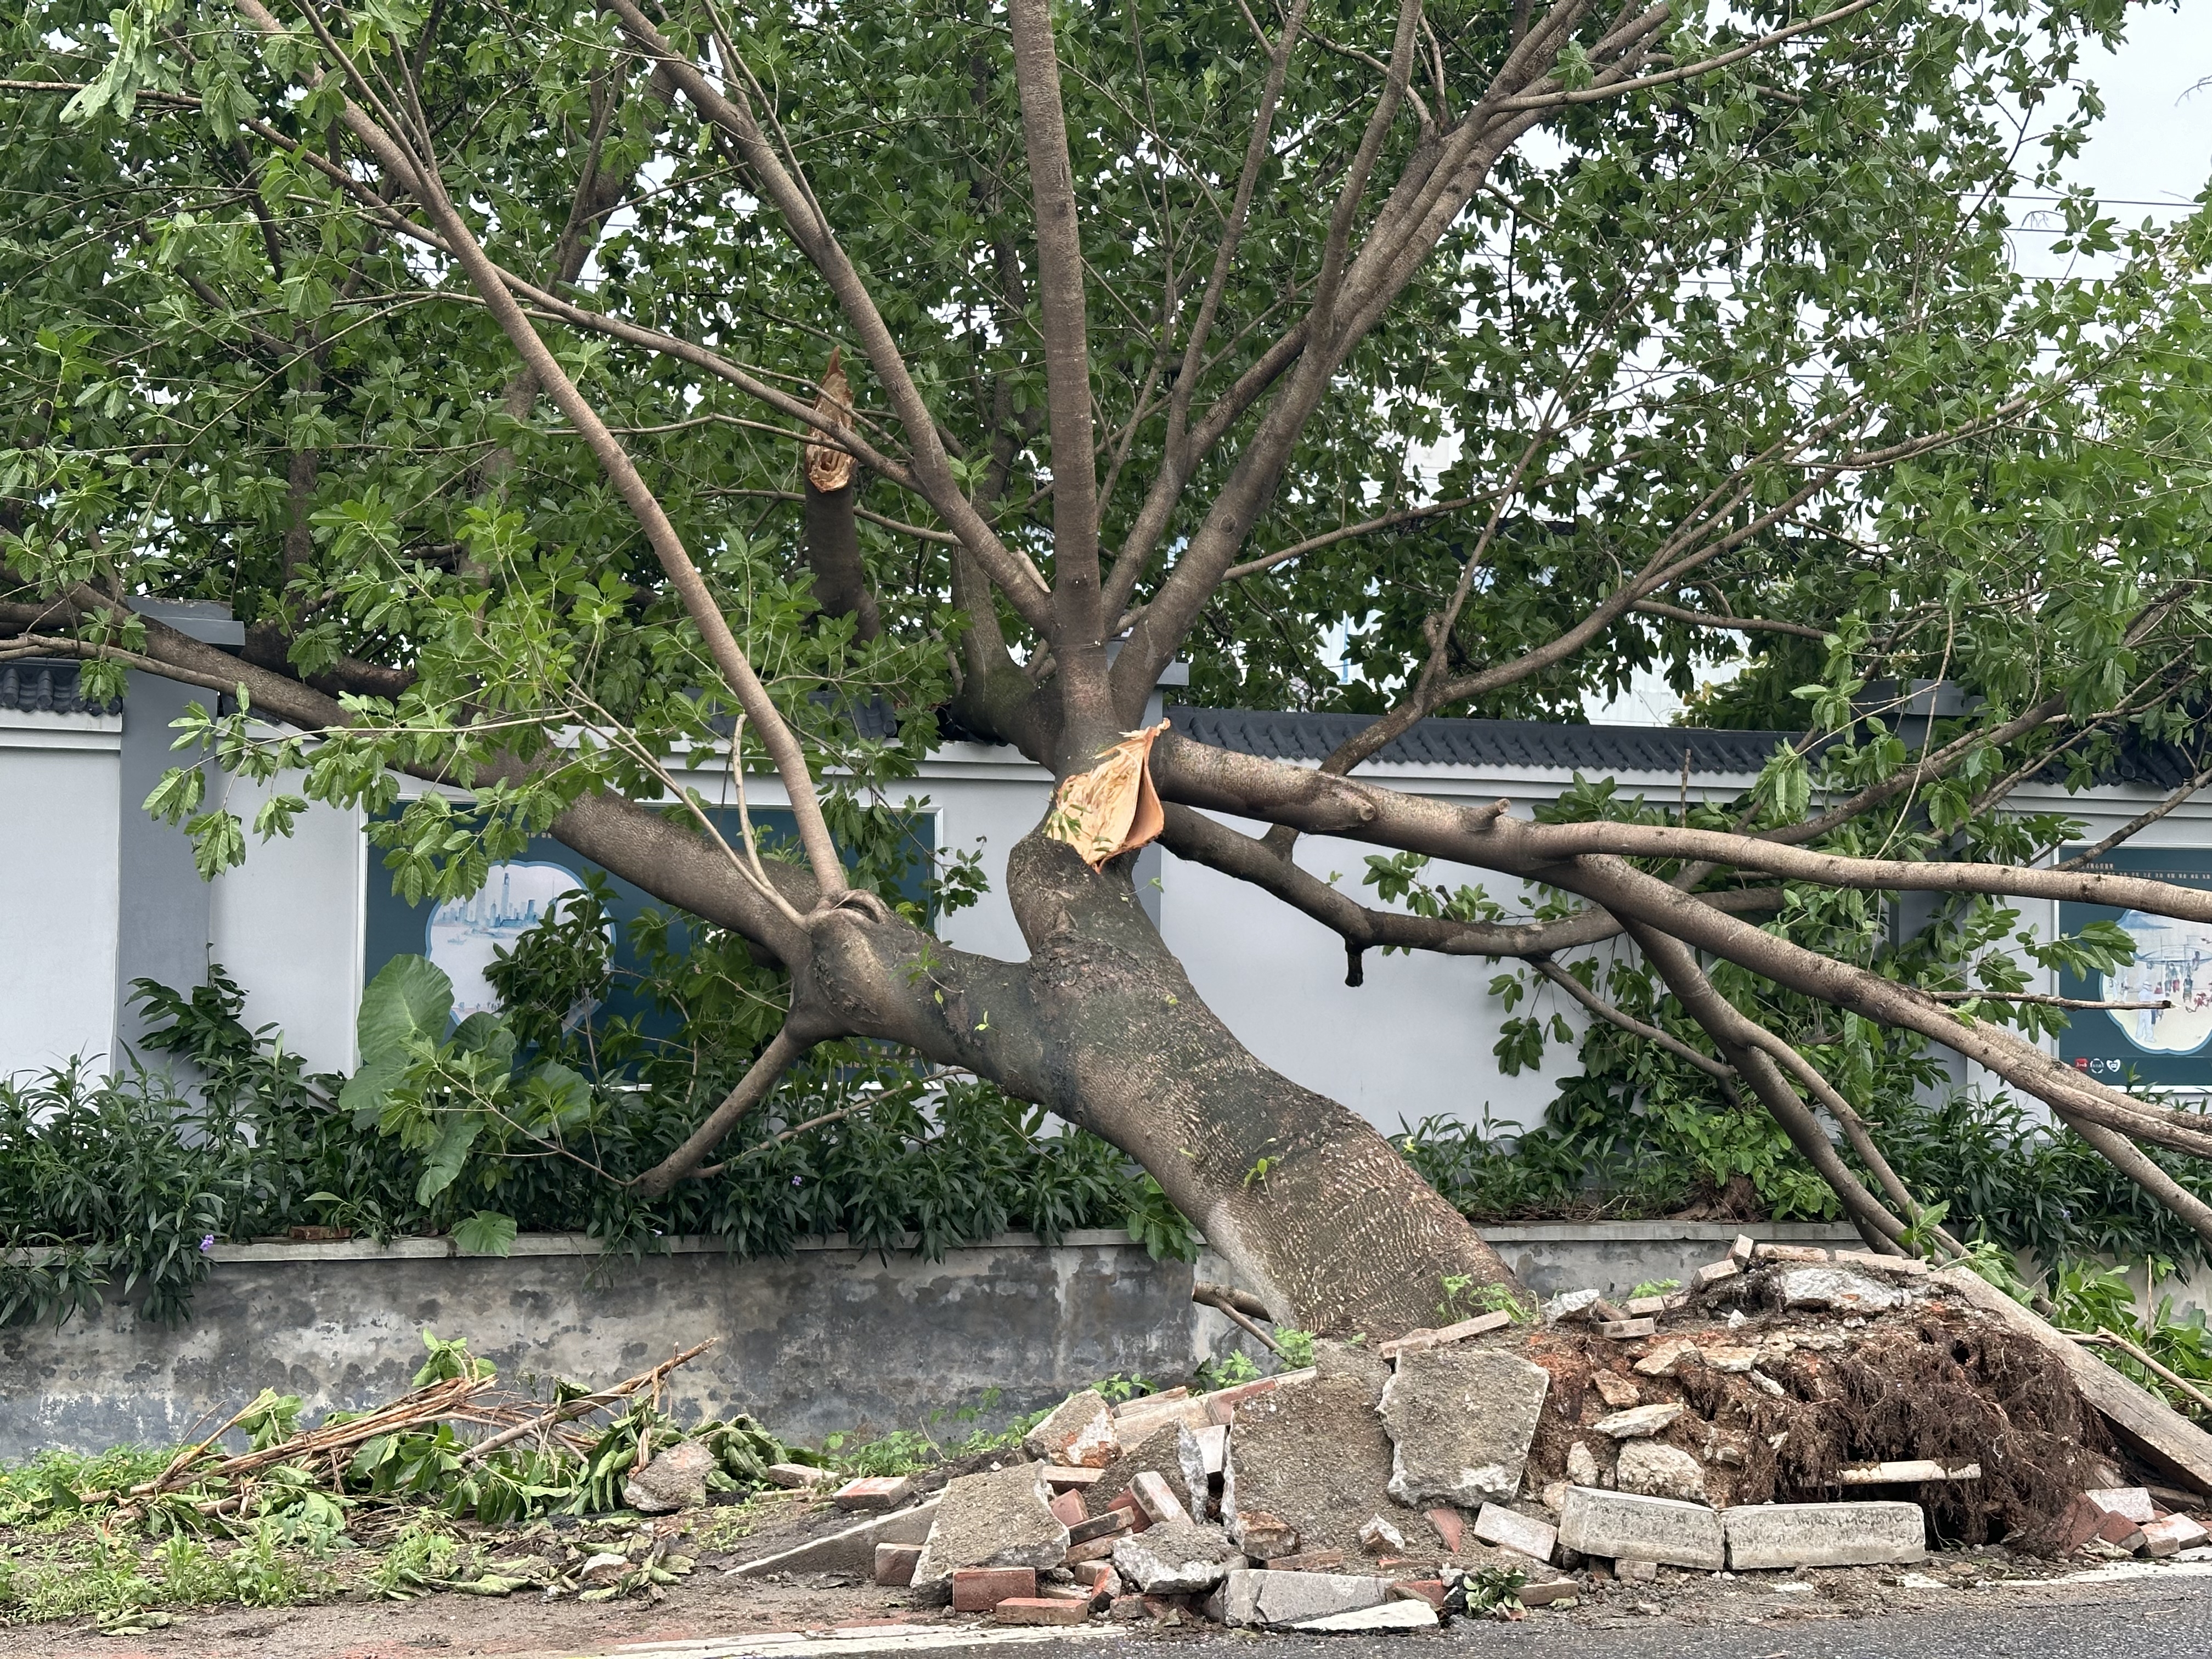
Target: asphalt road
(2133, 1620)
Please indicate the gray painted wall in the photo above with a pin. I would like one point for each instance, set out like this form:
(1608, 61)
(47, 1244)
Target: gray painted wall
(831, 1338)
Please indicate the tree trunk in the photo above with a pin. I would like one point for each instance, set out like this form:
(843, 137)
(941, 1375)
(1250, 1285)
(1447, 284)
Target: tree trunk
(1314, 1209)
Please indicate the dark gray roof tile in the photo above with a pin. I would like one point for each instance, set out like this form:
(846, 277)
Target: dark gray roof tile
(41, 685)
(1595, 749)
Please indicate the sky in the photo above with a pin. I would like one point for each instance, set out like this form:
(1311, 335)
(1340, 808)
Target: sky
(2153, 151)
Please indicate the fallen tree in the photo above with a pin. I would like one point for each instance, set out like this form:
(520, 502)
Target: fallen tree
(483, 359)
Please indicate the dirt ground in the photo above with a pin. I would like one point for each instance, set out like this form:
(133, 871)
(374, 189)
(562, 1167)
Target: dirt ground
(711, 1603)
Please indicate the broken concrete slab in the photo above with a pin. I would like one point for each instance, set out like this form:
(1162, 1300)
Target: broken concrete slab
(1317, 1458)
(1175, 1557)
(1510, 1529)
(1079, 1431)
(1460, 1420)
(1616, 1390)
(1835, 1291)
(1851, 1535)
(852, 1550)
(1378, 1537)
(1615, 1524)
(1250, 1596)
(1581, 1465)
(676, 1479)
(1391, 1615)
(1641, 1421)
(2145, 1424)
(1658, 1470)
(1002, 1518)
(1569, 1304)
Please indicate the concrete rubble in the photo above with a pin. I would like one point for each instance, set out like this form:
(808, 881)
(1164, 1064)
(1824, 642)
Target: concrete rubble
(1510, 1461)
(676, 1479)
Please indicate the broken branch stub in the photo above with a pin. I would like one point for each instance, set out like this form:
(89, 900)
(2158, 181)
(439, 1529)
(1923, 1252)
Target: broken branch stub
(828, 468)
(1111, 809)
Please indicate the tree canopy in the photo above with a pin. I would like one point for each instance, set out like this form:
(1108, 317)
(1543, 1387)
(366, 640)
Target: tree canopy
(559, 393)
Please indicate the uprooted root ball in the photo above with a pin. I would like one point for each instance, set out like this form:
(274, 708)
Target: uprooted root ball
(1911, 1388)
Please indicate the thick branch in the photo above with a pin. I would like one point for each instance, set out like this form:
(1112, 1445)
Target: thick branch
(760, 1077)
(1739, 1038)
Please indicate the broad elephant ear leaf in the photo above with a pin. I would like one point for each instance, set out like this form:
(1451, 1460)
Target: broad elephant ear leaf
(409, 998)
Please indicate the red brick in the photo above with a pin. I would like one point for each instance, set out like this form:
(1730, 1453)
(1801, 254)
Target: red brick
(1094, 1573)
(876, 1491)
(1068, 1507)
(1041, 1610)
(2120, 1530)
(1449, 1523)
(2079, 1525)
(1092, 1549)
(978, 1590)
(1221, 1405)
(1156, 1498)
(1431, 1591)
(1111, 1524)
(1310, 1561)
(894, 1564)
(1127, 1504)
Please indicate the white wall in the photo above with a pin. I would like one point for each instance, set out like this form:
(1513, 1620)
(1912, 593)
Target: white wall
(1416, 1039)
(58, 817)
(286, 925)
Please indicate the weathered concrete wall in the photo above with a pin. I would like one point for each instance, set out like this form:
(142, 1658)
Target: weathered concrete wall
(831, 1338)
(1615, 1256)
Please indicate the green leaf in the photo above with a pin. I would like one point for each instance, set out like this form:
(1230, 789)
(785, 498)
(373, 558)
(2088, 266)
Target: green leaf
(410, 1000)
(485, 1233)
(443, 1166)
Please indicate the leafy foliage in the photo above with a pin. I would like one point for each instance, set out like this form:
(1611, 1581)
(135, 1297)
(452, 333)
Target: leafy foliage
(126, 1183)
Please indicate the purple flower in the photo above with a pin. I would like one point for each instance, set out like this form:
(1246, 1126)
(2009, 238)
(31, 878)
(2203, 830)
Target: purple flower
(798, 1181)
(207, 1243)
